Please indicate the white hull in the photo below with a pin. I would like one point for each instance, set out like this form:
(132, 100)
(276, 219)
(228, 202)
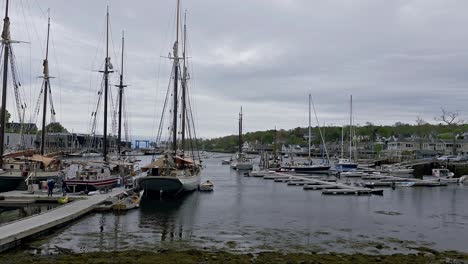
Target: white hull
(242, 166)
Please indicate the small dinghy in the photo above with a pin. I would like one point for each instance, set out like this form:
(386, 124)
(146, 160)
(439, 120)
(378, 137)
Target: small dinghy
(127, 201)
(206, 186)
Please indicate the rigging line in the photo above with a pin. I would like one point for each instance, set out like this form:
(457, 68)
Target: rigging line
(116, 61)
(320, 131)
(194, 132)
(94, 79)
(44, 14)
(161, 123)
(59, 75)
(169, 25)
(30, 57)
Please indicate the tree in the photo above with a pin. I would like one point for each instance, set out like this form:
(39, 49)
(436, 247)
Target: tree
(420, 130)
(452, 120)
(7, 116)
(56, 128)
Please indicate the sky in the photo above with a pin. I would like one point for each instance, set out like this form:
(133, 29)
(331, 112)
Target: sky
(399, 59)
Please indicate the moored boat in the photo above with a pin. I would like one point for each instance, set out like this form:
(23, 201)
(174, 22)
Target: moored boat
(206, 186)
(178, 169)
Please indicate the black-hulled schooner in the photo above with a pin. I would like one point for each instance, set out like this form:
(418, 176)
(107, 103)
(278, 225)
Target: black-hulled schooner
(178, 169)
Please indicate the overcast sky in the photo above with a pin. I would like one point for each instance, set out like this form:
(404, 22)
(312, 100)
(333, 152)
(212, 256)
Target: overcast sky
(399, 59)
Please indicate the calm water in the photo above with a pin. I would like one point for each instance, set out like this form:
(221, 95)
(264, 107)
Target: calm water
(251, 214)
(9, 214)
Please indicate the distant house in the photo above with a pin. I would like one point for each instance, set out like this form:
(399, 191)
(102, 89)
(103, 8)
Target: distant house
(26, 127)
(426, 146)
(293, 149)
(16, 140)
(312, 136)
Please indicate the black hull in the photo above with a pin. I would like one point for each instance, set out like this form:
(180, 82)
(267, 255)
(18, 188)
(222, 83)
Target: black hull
(307, 170)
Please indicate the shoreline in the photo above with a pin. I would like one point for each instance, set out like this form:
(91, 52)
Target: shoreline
(424, 255)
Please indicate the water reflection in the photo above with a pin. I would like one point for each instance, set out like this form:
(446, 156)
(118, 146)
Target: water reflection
(253, 213)
(8, 214)
(173, 218)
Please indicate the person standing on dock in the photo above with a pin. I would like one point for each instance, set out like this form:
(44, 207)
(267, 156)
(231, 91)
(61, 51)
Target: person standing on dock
(64, 188)
(50, 187)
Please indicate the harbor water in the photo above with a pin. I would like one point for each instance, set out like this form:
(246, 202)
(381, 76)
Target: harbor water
(246, 214)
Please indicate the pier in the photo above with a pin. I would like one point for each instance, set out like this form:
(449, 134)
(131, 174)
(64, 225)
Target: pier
(330, 187)
(13, 233)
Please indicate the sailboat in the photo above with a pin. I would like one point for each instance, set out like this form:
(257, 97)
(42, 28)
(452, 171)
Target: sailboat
(308, 167)
(93, 174)
(178, 169)
(344, 165)
(22, 168)
(240, 161)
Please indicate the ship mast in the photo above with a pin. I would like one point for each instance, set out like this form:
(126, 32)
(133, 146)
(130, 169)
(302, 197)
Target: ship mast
(310, 130)
(46, 77)
(176, 76)
(240, 131)
(184, 84)
(106, 87)
(6, 52)
(121, 87)
(351, 128)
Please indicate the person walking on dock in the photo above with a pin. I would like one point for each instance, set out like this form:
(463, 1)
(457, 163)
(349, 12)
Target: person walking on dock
(50, 187)
(64, 188)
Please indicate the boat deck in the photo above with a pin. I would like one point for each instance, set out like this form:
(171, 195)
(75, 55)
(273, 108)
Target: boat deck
(13, 233)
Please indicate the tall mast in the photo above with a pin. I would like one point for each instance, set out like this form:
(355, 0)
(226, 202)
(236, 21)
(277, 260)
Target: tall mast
(121, 87)
(176, 76)
(184, 84)
(351, 128)
(342, 144)
(6, 52)
(46, 89)
(106, 87)
(240, 131)
(310, 130)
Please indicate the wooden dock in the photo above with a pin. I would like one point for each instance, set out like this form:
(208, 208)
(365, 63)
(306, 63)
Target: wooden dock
(327, 186)
(389, 181)
(13, 233)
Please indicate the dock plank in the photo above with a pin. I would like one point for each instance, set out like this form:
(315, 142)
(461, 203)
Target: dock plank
(12, 233)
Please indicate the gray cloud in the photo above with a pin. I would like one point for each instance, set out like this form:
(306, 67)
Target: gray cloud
(399, 59)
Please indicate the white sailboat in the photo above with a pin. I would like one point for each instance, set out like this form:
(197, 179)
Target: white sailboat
(309, 167)
(343, 164)
(178, 169)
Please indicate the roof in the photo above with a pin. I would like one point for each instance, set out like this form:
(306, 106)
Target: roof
(155, 164)
(45, 160)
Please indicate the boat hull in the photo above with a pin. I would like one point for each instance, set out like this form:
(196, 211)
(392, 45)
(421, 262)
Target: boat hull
(242, 166)
(168, 185)
(9, 183)
(345, 167)
(11, 180)
(80, 185)
(307, 169)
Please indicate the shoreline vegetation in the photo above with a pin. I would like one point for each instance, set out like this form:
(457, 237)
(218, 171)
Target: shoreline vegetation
(368, 133)
(424, 255)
